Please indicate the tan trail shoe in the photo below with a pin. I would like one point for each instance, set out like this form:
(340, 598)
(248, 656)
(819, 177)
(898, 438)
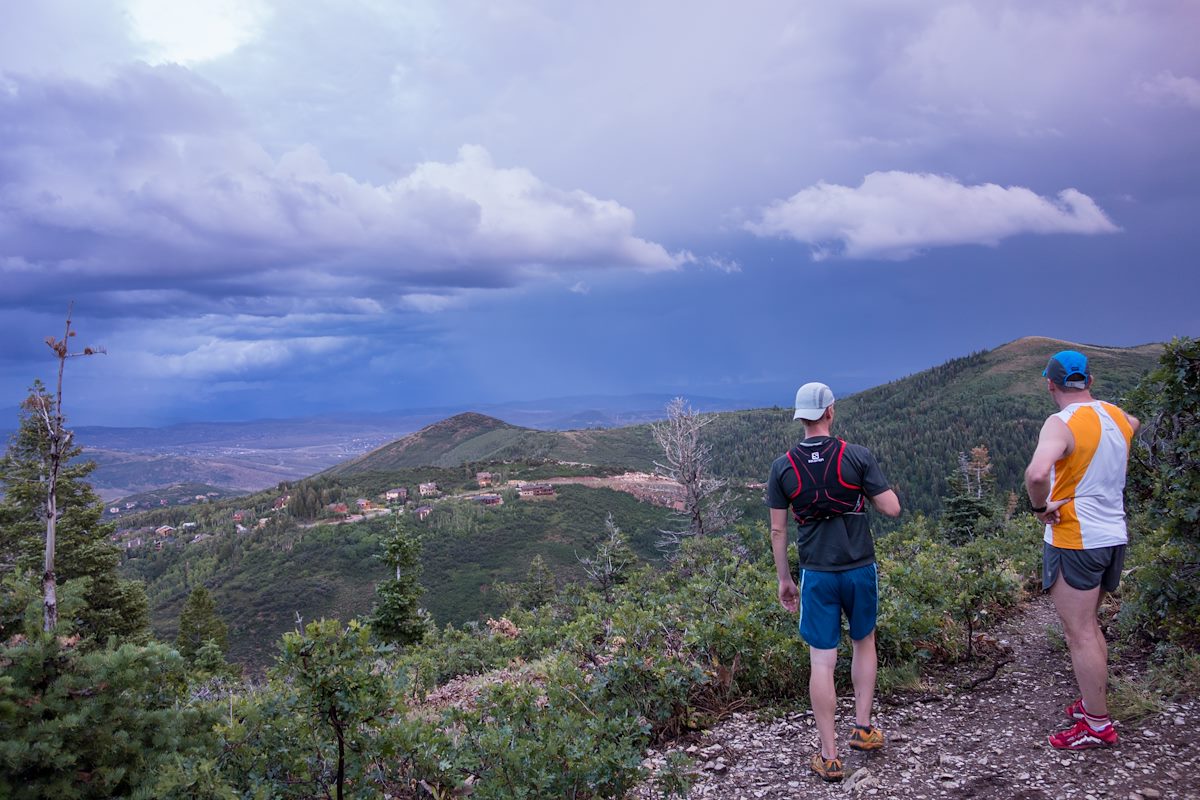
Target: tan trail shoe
(866, 738)
(829, 769)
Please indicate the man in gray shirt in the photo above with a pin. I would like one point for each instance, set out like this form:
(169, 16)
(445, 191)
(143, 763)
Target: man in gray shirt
(827, 483)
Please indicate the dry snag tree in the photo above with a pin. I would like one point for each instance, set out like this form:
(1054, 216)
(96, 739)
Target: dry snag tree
(707, 504)
(58, 440)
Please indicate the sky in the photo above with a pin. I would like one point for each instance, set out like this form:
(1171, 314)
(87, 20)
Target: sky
(262, 208)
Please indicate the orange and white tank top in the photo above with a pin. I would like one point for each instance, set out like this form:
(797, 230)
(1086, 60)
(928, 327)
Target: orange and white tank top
(1092, 477)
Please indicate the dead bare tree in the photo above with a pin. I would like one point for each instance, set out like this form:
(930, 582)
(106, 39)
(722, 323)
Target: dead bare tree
(707, 504)
(59, 439)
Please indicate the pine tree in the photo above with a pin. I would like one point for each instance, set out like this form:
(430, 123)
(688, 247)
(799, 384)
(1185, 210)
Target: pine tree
(199, 623)
(970, 502)
(611, 562)
(397, 618)
(539, 586)
(83, 555)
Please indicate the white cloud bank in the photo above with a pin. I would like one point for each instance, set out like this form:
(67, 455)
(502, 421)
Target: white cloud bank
(895, 215)
(152, 177)
(222, 358)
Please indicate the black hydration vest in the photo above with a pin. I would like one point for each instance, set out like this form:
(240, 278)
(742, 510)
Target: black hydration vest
(821, 492)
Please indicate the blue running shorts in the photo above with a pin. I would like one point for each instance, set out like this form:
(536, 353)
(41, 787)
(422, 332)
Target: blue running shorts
(825, 595)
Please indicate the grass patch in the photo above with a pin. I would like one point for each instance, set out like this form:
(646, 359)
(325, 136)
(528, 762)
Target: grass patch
(1131, 699)
(1175, 671)
(899, 677)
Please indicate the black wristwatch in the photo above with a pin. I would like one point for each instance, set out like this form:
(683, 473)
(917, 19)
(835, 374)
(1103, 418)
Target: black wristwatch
(1038, 509)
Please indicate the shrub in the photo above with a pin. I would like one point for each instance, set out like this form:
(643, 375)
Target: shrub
(934, 595)
(565, 736)
(108, 723)
(1163, 602)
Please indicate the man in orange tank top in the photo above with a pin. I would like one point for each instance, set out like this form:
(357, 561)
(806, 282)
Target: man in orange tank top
(1075, 483)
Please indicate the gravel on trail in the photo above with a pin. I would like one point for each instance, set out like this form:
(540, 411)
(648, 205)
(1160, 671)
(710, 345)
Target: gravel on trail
(981, 741)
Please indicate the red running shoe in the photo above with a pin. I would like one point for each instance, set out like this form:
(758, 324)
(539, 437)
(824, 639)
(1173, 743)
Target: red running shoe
(1075, 710)
(1083, 737)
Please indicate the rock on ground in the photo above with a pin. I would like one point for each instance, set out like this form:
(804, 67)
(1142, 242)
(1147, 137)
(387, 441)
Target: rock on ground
(985, 742)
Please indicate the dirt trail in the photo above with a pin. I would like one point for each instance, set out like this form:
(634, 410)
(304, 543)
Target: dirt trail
(986, 742)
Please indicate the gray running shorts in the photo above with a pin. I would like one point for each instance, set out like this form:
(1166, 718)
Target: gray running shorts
(1083, 569)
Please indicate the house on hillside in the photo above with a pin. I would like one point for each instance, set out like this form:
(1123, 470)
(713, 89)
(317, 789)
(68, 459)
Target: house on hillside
(529, 491)
(488, 499)
(114, 510)
(164, 530)
(423, 511)
(338, 508)
(281, 502)
(398, 495)
(484, 479)
(429, 489)
(363, 504)
(240, 516)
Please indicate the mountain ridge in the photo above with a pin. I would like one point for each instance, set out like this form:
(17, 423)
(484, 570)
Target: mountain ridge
(1004, 382)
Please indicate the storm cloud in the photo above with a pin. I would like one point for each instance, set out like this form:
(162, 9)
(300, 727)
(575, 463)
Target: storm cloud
(376, 205)
(150, 181)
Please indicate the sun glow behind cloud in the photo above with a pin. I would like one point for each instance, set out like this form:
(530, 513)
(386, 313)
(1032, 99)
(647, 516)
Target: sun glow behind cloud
(188, 32)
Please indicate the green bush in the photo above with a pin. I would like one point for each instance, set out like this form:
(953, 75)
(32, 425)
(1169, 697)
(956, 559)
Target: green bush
(565, 736)
(107, 723)
(932, 595)
(595, 682)
(1161, 596)
(1162, 601)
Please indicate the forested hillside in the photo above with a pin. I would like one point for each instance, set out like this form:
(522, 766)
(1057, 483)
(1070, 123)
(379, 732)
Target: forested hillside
(262, 579)
(919, 425)
(916, 425)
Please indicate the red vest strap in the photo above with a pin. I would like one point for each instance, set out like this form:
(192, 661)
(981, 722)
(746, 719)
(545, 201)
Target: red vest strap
(795, 469)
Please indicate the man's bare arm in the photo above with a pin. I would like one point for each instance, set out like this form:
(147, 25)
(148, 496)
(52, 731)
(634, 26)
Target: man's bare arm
(789, 597)
(887, 503)
(1134, 422)
(1054, 442)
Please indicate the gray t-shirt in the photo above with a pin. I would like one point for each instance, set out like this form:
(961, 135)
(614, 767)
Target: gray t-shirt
(842, 542)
